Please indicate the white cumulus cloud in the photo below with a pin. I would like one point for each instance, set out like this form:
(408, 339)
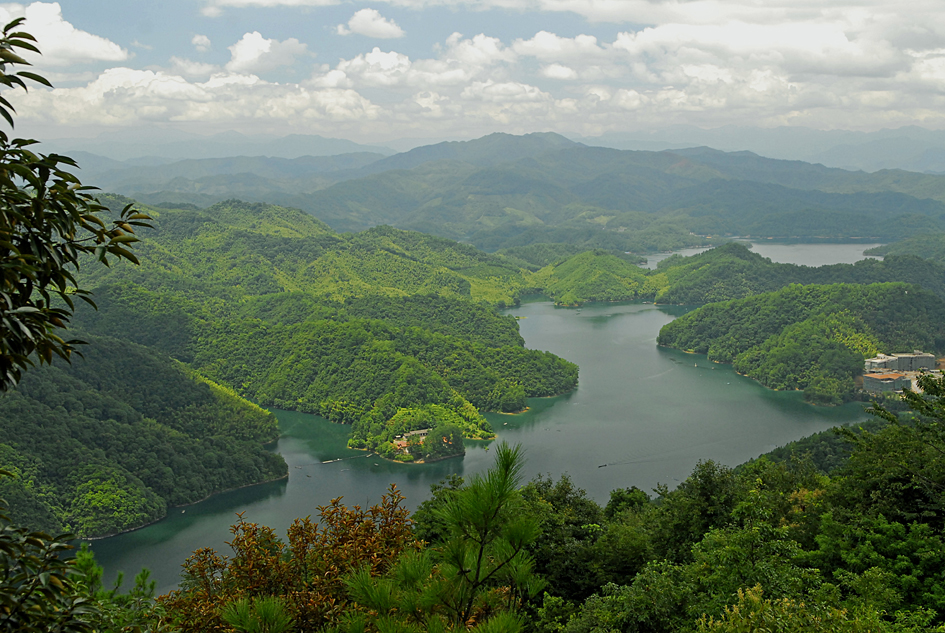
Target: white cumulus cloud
(201, 43)
(214, 8)
(551, 47)
(557, 71)
(190, 68)
(61, 43)
(257, 54)
(370, 23)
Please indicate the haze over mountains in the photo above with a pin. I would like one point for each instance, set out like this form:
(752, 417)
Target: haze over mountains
(503, 191)
(910, 147)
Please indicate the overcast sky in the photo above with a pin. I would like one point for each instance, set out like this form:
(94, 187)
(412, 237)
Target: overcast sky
(380, 70)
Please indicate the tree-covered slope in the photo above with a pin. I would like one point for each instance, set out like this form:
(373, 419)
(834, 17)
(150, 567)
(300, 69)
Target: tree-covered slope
(812, 337)
(109, 442)
(238, 248)
(538, 255)
(927, 246)
(733, 271)
(728, 272)
(369, 329)
(592, 276)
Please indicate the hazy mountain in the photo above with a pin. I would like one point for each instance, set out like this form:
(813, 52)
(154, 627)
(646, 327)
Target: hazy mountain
(129, 144)
(488, 150)
(911, 148)
(502, 191)
(258, 169)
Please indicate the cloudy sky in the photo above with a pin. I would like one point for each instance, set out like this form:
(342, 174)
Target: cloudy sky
(387, 69)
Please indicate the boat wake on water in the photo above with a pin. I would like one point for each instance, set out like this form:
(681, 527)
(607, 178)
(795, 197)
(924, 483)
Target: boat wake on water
(344, 459)
(332, 461)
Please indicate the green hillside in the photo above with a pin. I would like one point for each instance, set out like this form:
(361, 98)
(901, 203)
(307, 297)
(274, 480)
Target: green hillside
(592, 276)
(369, 329)
(733, 272)
(107, 443)
(728, 272)
(812, 337)
(927, 246)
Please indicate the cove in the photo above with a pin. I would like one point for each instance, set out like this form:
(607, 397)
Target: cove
(641, 415)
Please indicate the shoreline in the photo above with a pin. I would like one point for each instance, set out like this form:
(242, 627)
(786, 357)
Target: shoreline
(755, 380)
(183, 505)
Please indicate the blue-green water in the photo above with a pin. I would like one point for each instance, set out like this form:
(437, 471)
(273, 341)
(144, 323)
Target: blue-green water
(641, 415)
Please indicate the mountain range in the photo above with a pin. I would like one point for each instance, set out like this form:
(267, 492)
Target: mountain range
(503, 191)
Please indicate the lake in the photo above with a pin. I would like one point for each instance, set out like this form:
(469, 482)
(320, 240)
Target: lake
(784, 253)
(640, 416)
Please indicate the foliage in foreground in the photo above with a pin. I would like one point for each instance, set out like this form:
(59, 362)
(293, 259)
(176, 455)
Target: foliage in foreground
(43, 590)
(364, 570)
(48, 220)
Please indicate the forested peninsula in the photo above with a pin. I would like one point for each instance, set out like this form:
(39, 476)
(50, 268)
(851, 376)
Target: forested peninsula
(813, 337)
(929, 246)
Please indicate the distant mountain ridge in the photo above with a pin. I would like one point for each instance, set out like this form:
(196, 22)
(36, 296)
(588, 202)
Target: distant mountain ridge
(909, 148)
(504, 191)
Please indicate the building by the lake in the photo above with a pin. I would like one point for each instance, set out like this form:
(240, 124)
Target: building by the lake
(876, 383)
(916, 361)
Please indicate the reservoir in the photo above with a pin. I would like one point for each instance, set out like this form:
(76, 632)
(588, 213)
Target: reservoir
(784, 253)
(640, 416)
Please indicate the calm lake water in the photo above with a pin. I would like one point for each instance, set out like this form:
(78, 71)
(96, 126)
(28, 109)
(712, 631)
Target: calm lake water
(641, 415)
(803, 254)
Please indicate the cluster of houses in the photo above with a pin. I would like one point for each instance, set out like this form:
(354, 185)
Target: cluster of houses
(894, 372)
(402, 442)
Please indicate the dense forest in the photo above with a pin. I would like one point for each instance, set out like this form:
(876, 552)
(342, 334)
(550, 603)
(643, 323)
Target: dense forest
(108, 442)
(393, 332)
(393, 308)
(727, 272)
(812, 337)
(732, 271)
(376, 329)
(926, 245)
(777, 544)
